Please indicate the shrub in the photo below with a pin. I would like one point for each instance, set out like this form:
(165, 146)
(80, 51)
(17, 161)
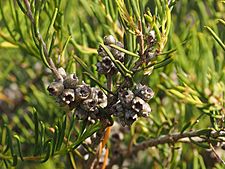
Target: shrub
(100, 84)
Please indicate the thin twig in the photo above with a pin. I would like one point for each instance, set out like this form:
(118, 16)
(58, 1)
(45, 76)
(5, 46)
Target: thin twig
(173, 138)
(141, 39)
(97, 140)
(217, 156)
(29, 12)
(101, 134)
(167, 139)
(41, 41)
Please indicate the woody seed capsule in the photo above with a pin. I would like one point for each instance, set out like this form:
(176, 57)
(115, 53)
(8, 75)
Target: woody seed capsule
(89, 105)
(117, 109)
(70, 81)
(141, 107)
(130, 117)
(62, 72)
(68, 96)
(109, 40)
(144, 92)
(56, 88)
(81, 114)
(82, 92)
(126, 96)
(99, 96)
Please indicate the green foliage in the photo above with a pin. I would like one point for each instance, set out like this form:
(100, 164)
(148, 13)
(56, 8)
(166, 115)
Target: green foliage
(187, 76)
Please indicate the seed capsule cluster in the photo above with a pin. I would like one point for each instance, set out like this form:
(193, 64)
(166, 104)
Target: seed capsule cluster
(106, 66)
(78, 95)
(127, 104)
(132, 104)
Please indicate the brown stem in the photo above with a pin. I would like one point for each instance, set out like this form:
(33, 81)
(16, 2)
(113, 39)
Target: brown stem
(173, 138)
(217, 156)
(166, 139)
(42, 42)
(102, 135)
(141, 39)
(97, 140)
(29, 12)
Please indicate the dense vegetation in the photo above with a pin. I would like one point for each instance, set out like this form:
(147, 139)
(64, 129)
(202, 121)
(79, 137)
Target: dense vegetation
(160, 65)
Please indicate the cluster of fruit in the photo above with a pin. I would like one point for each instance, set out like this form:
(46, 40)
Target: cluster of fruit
(79, 96)
(106, 66)
(132, 104)
(128, 104)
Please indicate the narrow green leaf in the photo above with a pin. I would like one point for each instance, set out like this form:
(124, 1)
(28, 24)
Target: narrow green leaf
(128, 72)
(135, 9)
(10, 145)
(83, 65)
(61, 133)
(28, 120)
(36, 20)
(52, 44)
(163, 63)
(177, 93)
(87, 133)
(4, 138)
(72, 122)
(15, 160)
(89, 32)
(201, 162)
(203, 145)
(159, 9)
(112, 10)
(214, 123)
(43, 57)
(48, 151)
(106, 2)
(151, 21)
(148, 71)
(123, 70)
(185, 126)
(215, 37)
(55, 139)
(84, 123)
(168, 22)
(21, 6)
(125, 18)
(195, 160)
(5, 22)
(36, 132)
(83, 49)
(221, 21)
(51, 27)
(205, 132)
(72, 160)
(65, 45)
(125, 51)
(9, 139)
(18, 146)
(97, 82)
(91, 130)
(42, 136)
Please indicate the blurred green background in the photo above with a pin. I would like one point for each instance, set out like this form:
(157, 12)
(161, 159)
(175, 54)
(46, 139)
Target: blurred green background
(182, 88)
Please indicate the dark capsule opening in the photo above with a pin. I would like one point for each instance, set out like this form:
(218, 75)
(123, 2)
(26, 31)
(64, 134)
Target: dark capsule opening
(92, 103)
(107, 61)
(83, 92)
(74, 77)
(100, 95)
(138, 105)
(51, 89)
(69, 97)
